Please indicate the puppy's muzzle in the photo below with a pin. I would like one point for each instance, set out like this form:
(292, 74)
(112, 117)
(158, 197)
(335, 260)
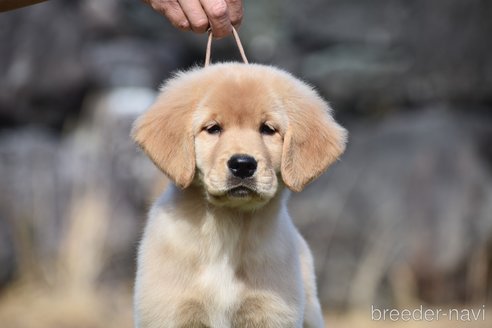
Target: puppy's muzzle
(242, 166)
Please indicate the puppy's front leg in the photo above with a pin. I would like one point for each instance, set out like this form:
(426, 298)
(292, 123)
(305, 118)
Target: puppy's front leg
(191, 314)
(265, 310)
(313, 316)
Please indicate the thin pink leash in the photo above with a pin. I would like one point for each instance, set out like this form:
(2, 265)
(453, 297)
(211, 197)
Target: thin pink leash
(238, 42)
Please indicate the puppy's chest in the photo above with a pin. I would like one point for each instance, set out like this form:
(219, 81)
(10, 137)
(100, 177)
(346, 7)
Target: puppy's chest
(223, 299)
(215, 294)
(220, 285)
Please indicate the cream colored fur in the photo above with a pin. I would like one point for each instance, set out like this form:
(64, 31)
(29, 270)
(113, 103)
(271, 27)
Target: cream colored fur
(209, 258)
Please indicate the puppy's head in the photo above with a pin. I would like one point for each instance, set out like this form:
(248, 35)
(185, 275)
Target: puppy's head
(235, 129)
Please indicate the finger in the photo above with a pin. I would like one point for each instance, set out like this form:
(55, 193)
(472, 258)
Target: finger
(235, 11)
(172, 10)
(218, 16)
(196, 15)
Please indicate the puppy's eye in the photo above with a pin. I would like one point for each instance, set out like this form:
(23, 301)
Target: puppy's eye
(266, 129)
(213, 129)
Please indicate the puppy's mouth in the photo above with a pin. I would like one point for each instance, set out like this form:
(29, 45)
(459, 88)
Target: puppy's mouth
(243, 194)
(240, 192)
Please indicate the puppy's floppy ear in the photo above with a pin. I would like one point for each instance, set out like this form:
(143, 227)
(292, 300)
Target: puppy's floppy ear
(165, 134)
(313, 139)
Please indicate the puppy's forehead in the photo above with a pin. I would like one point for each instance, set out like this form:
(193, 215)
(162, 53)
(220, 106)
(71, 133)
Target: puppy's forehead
(240, 101)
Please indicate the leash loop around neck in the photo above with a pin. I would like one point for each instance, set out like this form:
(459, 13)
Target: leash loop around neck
(238, 43)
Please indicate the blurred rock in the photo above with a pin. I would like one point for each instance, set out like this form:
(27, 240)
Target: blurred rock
(42, 79)
(55, 53)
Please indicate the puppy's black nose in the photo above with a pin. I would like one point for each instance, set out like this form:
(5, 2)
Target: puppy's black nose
(242, 166)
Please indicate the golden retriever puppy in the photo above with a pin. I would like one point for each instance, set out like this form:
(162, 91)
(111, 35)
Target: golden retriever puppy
(219, 249)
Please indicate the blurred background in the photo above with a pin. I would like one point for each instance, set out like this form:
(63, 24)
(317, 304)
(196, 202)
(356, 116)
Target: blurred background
(403, 219)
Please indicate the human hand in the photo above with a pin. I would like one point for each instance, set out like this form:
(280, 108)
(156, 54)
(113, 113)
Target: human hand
(199, 15)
